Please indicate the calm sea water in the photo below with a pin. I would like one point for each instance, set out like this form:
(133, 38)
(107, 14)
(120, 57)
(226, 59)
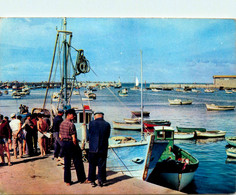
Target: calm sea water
(215, 174)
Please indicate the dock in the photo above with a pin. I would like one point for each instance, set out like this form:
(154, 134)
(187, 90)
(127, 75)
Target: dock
(41, 175)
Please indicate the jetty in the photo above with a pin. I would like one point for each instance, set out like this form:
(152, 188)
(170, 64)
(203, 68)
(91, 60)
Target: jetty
(41, 175)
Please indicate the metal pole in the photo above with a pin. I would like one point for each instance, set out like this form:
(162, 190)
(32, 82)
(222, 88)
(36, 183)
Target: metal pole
(54, 52)
(141, 95)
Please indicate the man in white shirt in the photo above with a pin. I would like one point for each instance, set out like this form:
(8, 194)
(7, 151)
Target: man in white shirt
(15, 125)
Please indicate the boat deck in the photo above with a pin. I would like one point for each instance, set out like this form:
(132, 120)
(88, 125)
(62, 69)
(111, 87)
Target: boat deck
(38, 175)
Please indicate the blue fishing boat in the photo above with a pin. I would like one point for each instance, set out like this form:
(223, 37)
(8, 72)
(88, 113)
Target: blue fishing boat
(176, 166)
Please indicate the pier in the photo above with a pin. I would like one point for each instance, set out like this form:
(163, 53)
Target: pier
(41, 175)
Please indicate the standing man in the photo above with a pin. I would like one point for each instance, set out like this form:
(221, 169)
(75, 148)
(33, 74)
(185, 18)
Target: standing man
(5, 139)
(57, 142)
(71, 149)
(29, 128)
(15, 125)
(99, 132)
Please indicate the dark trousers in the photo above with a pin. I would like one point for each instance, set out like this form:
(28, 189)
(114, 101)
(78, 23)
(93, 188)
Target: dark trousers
(73, 152)
(35, 141)
(58, 152)
(29, 142)
(97, 160)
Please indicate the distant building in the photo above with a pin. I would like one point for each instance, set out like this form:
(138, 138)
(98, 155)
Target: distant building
(225, 81)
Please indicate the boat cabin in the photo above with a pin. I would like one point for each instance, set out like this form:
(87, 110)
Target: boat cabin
(165, 133)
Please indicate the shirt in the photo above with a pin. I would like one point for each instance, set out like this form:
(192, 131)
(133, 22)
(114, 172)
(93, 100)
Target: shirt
(67, 129)
(15, 125)
(56, 123)
(5, 131)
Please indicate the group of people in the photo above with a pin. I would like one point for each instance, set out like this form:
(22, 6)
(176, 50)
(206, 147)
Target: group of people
(22, 135)
(66, 146)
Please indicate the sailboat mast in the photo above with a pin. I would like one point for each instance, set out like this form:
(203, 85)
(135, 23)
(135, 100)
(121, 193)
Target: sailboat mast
(64, 63)
(141, 94)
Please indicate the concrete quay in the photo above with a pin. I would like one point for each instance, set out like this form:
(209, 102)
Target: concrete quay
(41, 175)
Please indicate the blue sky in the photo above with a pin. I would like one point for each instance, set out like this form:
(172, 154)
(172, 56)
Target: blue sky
(174, 50)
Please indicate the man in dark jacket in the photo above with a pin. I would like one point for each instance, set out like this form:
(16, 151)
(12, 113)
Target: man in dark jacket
(56, 127)
(99, 132)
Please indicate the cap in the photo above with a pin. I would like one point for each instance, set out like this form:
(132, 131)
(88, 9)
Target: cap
(28, 114)
(98, 113)
(60, 110)
(12, 115)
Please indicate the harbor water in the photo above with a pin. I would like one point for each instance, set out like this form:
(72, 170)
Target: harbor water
(216, 173)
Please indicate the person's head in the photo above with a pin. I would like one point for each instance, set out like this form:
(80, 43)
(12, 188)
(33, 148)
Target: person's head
(13, 115)
(40, 115)
(70, 114)
(1, 117)
(28, 116)
(60, 112)
(98, 115)
(6, 118)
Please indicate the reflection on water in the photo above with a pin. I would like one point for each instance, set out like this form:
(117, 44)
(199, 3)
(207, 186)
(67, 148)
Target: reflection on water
(204, 141)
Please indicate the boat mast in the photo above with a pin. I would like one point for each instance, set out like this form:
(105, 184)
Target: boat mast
(141, 94)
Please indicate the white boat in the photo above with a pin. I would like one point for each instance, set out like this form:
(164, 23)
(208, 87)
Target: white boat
(213, 107)
(196, 91)
(183, 136)
(136, 87)
(228, 91)
(231, 152)
(87, 99)
(180, 102)
(76, 93)
(126, 126)
(132, 120)
(156, 90)
(209, 90)
(210, 134)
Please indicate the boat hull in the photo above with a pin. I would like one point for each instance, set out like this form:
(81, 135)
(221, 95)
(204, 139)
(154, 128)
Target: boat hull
(138, 113)
(231, 140)
(126, 126)
(141, 160)
(231, 152)
(213, 107)
(183, 136)
(189, 129)
(209, 134)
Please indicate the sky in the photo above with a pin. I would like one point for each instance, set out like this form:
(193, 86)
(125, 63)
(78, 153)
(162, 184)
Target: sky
(174, 50)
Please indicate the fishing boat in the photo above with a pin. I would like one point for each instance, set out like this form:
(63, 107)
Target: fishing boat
(180, 102)
(183, 136)
(126, 126)
(176, 166)
(231, 140)
(189, 129)
(209, 134)
(213, 107)
(123, 92)
(231, 152)
(138, 113)
(150, 124)
(228, 91)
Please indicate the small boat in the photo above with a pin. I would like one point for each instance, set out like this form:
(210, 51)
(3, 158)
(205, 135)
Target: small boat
(156, 90)
(213, 107)
(189, 129)
(87, 99)
(122, 94)
(126, 126)
(138, 113)
(196, 91)
(136, 87)
(149, 124)
(210, 134)
(5, 92)
(228, 91)
(209, 90)
(231, 152)
(132, 120)
(183, 136)
(76, 93)
(176, 166)
(180, 102)
(231, 140)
